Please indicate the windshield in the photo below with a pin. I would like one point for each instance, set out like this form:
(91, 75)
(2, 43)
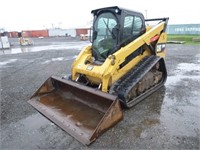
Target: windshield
(105, 35)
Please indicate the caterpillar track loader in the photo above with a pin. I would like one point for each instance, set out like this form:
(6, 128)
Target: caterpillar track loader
(124, 64)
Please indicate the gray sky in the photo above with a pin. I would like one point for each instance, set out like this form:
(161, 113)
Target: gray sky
(39, 14)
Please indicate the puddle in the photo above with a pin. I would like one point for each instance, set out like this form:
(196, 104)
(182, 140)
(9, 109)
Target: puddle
(59, 59)
(69, 45)
(188, 67)
(198, 55)
(184, 71)
(173, 80)
(150, 115)
(180, 111)
(7, 62)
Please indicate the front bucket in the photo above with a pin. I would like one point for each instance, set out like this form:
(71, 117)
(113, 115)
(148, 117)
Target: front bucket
(83, 112)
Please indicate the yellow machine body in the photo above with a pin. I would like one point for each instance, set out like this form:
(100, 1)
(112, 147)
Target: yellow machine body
(109, 72)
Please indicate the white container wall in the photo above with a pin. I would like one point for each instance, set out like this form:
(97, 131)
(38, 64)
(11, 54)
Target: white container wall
(71, 32)
(62, 32)
(57, 32)
(5, 42)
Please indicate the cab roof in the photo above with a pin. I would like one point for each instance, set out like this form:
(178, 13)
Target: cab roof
(113, 8)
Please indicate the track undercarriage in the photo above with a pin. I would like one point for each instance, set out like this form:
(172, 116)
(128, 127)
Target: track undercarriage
(149, 75)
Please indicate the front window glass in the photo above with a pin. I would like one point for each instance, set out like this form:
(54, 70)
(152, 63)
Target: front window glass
(105, 37)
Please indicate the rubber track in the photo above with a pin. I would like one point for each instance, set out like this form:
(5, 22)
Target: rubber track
(128, 81)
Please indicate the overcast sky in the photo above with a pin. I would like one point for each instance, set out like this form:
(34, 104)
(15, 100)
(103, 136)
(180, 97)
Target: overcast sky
(41, 14)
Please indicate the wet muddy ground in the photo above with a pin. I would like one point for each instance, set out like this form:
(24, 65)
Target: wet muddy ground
(168, 119)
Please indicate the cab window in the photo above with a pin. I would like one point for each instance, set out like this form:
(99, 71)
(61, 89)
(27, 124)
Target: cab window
(132, 26)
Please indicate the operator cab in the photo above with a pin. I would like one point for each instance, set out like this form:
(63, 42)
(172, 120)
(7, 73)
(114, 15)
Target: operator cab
(113, 28)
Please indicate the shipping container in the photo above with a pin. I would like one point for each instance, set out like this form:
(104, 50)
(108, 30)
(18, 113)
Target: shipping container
(71, 32)
(62, 32)
(25, 34)
(35, 33)
(57, 32)
(13, 34)
(83, 31)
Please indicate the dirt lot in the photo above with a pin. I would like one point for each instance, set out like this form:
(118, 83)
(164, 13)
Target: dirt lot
(168, 119)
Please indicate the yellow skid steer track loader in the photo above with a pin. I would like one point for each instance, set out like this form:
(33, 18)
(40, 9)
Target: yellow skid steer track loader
(124, 64)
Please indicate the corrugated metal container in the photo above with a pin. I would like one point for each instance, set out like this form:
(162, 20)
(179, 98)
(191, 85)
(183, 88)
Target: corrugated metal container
(71, 32)
(9, 35)
(39, 33)
(25, 34)
(62, 32)
(13, 34)
(57, 32)
(35, 33)
(82, 31)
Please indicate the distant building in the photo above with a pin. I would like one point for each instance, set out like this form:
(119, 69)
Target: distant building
(193, 29)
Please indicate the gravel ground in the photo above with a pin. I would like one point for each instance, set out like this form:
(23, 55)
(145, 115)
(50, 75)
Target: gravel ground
(168, 119)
